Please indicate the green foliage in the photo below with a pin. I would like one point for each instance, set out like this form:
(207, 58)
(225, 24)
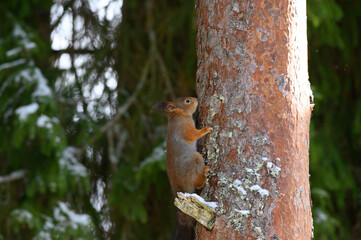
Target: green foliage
(335, 138)
(33, 141)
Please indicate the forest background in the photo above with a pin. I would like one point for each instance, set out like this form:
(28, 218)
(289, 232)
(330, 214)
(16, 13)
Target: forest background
(81, 156)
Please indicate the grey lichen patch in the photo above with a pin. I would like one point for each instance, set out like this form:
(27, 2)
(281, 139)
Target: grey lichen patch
(282, 84)
(225, 134)
(248, 104)
(240, 25)
(275, 12)
(213, 39)
(262, 34)
(253, 175)
(258, 230)
(237, 219)
(240, 108)
(239, 19)
(240, 50)
(215, 105)
(271, 87)
(257, 165)
(259, 212)
(260, 140)
(241, 124)
(212, 148)
(215, 74)
(297, 199)
(253, 66)
(240, 149)
(225, 184)
(212, 156)
(235, 103)
(236, 7)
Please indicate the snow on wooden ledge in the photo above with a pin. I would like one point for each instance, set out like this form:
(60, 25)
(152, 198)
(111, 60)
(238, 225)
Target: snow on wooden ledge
(196, 207)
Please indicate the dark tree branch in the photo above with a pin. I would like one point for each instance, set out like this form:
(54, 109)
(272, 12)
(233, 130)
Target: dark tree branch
(74, 51)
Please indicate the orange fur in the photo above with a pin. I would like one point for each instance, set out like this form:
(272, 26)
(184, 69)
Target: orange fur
(192, 134)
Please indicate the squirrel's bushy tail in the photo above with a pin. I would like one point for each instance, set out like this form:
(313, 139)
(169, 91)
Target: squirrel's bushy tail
(184, 227)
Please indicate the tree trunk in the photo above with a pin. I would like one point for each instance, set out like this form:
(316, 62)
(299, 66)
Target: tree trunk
(253, 89)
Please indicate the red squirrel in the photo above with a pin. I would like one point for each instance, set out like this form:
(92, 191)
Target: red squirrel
(185, 166)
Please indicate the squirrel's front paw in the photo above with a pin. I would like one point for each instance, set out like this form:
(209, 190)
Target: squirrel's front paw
(208, 129)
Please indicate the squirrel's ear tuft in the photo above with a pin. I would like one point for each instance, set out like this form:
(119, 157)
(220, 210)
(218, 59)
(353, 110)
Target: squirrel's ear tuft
(160, 107)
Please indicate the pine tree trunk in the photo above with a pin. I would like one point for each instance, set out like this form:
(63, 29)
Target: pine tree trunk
(252, 84)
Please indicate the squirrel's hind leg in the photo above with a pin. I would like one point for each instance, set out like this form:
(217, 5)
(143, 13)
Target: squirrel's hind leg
(201, 179)
(201, 171)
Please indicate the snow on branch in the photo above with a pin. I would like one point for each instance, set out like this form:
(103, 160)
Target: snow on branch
(25, 111)
(196, 207)
(69, 160)
(13, 176)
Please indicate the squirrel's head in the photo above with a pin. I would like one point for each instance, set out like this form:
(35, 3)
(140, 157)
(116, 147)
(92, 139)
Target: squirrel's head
(181, 106)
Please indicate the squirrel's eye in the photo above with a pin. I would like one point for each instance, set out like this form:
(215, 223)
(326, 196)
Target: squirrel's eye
(187, 101)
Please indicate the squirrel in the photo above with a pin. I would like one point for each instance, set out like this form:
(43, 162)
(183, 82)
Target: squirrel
(185, 166)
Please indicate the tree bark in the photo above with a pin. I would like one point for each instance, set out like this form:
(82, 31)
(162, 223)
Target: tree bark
(253, 89)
